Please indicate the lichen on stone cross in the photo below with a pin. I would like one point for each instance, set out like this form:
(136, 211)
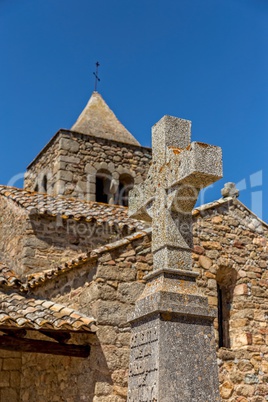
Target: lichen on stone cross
(179, 170)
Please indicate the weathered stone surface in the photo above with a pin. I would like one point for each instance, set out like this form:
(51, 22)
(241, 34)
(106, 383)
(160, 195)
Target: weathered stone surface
(205, 262)
(241, 289)
(9, 394)
(248, 314)
(171, 320)
(129, 292)
(5, 379)
(72, 159)
(10, 375)
(69, 145)
(11, 364)
(111, 313)
(226, 390)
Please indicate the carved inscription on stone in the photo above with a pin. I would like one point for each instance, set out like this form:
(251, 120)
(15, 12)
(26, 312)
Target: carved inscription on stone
(143, 369)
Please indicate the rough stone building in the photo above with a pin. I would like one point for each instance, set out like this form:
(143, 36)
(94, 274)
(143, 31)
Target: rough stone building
(97, 160)
(73, 263)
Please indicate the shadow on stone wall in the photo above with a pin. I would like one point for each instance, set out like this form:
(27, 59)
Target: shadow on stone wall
(46, 377)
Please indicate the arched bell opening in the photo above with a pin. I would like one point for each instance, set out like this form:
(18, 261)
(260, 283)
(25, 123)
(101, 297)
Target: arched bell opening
(103, 185)
(126, 183)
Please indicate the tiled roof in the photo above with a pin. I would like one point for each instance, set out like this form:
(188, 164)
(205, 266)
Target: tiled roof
(8, 279)
(18, 312)
(212, 205)
(38, 278)
(67, 208)
(258, 223)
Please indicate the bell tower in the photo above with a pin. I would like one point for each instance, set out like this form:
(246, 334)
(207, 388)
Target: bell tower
(98, 159)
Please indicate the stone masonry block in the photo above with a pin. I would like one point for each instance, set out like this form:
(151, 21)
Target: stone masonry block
(90, 169)
(241, 289)
(69, 145)
(118, 273)
(83, 186)
(91, 187)
(129, 292)
(64, 175)
(111, 312)
(239, 340)
(58, 166)
(11, 364)
(9, 395)
(69, 159)
(4, 379)
(15, 377)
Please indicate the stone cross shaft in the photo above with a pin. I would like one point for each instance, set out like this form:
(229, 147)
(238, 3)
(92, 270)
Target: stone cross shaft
(166, 198)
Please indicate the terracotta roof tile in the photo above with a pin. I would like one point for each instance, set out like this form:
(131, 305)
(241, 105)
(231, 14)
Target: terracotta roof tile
(8, 278)
(72, 208)
(17, 311)
(229, 201)
(212, 205)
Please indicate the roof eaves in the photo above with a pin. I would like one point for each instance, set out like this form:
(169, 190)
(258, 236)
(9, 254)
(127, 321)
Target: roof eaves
(115, 216)
(20, 312)
(8, 279)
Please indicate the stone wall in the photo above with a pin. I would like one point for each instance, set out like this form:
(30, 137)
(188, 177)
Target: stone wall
(107, 291)
(72, 160)
(31, 242)
(49, 378)
(231, 250)
(13, 230)
(45, 164)
(54, 240)
(10, 378)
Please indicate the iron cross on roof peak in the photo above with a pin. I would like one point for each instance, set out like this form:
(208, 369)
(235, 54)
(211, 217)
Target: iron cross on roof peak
(97, 79)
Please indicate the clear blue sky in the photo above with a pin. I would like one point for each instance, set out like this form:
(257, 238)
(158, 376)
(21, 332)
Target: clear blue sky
(202, 60)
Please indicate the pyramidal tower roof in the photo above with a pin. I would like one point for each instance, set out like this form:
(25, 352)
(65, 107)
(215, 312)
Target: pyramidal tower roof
(99, 120)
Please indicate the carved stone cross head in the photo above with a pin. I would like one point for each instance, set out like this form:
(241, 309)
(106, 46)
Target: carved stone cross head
(179, 170)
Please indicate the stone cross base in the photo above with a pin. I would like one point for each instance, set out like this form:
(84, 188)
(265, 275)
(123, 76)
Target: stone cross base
(173, 354)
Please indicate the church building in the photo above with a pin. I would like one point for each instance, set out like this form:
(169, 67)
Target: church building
(72, 265)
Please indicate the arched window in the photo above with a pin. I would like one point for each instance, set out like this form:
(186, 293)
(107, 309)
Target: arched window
(44, 183)
(226, 278)
(103, 183)
(126, 183)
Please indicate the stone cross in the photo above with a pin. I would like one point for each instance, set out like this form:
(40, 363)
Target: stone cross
(179, 170)
(172, 350)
